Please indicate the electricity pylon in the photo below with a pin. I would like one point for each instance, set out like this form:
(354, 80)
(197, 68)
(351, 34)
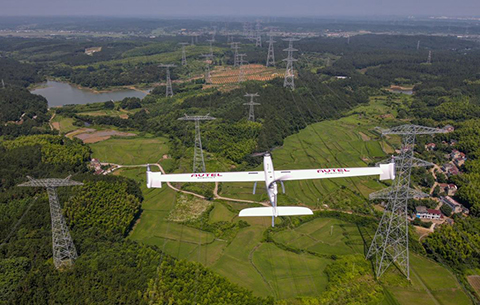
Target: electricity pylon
(241, 71)
(418, 45)
(235, 47)
(184, 53)
(252, 104)
(208, 59)
(211, 41)
(289, 73)
(429, 59)
(194, 39)
(390, 243)
(258, 40)
(64, 252)
(270, 55)
(168, 90)
(3, 84)
(198, 160)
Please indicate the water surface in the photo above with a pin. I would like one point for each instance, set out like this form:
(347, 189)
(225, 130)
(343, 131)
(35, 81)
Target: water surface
(59, 94)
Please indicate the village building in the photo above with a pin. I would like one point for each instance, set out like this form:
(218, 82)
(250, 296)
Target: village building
(430, 146)
(449, 128)
(449, 188)
(450, 169)
(423, 213)
(458, 157)
(454, 205)
(96, 166)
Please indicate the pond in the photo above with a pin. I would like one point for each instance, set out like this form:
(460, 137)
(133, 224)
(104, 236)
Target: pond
(59, 94)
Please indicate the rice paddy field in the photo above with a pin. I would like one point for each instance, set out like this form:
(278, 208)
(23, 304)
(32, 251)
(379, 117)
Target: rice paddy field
(131, 150)
(268, 268)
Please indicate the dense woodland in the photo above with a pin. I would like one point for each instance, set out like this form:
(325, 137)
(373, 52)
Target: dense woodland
(100, 213)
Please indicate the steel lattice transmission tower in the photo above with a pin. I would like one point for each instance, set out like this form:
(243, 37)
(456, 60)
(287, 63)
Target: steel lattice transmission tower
(64, 252)
(252, 104)
(271, 54)
(184, 53)
(208, 59)
(211, 41)
(241, 71)
(429, 59)
(235, 47)
(168, 90)
(198, 160)
(390, 243)
(289, 73)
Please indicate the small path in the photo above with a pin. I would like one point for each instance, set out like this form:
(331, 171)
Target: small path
(432, 170)
(425, 287)
(250, 259)
(51, 119)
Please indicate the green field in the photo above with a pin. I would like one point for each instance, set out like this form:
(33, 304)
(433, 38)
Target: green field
(111, 112)
(65, 124)
(267, 268)
(428, 275)
(130, 151)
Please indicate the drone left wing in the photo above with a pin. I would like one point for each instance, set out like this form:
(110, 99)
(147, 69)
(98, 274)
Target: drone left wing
(155, 179)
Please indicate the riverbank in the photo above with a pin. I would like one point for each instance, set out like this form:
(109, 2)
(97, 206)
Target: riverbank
(145, 88)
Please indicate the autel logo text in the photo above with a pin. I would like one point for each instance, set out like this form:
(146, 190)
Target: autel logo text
(333, 171)
(206, 175)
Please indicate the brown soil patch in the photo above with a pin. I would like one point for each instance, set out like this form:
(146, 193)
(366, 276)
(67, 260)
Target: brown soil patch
(56, 125)
(474, 281)
(364, 136)
(92, 136)
(228, 75)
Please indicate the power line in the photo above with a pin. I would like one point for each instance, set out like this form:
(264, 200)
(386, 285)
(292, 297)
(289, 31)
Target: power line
(184, 54)
(289, 73)
(64, 252)
(235, 47)
(390, 243)
(168, 89)
(258, 36)
(252, 104)
(198, 160)
(270, 55)
(241, 71)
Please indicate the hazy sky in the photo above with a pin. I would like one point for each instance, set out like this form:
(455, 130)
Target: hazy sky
(240, 7)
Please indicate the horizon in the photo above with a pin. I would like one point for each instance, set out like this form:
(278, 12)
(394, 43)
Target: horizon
(248, 8)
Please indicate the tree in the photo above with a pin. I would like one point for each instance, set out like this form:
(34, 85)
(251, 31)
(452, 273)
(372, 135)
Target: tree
(109, 105)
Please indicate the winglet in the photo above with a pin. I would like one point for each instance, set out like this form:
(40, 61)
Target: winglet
(388, 171)
(150, 182)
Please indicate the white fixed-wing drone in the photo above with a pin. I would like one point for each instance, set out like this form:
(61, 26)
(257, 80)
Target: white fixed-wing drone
(271, 177)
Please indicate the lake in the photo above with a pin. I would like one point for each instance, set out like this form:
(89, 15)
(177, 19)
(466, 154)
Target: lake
(59, 94)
